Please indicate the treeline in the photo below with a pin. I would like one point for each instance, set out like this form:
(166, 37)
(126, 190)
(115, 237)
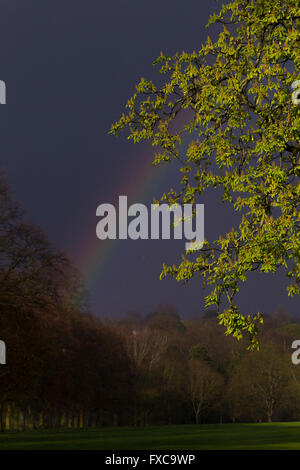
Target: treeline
(66, 368)
(189, 371)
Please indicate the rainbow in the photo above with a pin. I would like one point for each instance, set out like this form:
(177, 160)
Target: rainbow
(94, 254)
(141, 182)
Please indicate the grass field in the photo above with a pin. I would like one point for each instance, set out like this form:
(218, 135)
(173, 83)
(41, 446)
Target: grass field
(190, 437)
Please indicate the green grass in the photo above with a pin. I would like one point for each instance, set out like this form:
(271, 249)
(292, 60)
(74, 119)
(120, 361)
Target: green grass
(190, 437)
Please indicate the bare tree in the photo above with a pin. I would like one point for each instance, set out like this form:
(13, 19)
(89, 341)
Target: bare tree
(204, 386)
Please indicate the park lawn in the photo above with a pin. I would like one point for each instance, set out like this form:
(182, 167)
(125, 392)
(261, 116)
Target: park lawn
(190, 437)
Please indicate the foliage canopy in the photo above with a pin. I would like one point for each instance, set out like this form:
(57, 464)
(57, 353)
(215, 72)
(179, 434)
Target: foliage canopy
(244, 140)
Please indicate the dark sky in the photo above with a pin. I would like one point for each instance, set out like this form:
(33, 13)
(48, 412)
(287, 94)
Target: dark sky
(69, 67)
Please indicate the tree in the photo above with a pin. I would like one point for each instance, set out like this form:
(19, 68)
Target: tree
(32, 271)
(164, 318)
(236, 96)
(259, 383)
(61, 362)
(204, 386)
